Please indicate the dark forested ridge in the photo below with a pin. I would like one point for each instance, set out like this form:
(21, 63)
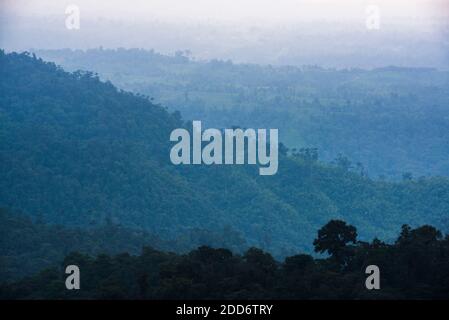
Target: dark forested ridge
(415, 266)
(77, 152)
(27, 246)
(392, 120)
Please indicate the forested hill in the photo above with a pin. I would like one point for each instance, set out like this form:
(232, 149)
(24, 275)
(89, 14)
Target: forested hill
(415, 266)
(27, 247)
(76, 151)
(392, 120)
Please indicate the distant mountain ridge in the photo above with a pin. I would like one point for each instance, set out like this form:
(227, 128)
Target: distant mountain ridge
(78, 151)
(392, 120)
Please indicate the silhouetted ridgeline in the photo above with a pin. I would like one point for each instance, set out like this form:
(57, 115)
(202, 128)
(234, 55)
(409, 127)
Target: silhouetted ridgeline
(27, 247)
(416, 266)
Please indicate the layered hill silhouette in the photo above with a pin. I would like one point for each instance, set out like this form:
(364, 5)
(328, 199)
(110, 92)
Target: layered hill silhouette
(77, 151)
(392, 120)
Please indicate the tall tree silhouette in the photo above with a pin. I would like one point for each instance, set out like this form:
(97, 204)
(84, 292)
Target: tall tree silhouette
(333, 239)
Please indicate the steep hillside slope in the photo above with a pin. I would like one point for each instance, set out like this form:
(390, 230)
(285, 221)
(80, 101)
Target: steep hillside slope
(392, 120)
(77, 151)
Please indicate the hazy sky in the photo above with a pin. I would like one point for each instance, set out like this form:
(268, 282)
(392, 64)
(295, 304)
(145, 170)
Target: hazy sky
(324, 32)
(288, 11)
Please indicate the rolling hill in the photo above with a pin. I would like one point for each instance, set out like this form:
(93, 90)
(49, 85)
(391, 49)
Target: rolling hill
(392, 120)
(77, 151)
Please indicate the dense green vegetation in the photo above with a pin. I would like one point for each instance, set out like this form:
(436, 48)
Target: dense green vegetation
(416, 266)
(27, 247)
(77, 152)
(392, 120)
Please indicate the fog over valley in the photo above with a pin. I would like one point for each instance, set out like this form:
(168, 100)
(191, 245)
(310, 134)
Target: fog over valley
(288, 32)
